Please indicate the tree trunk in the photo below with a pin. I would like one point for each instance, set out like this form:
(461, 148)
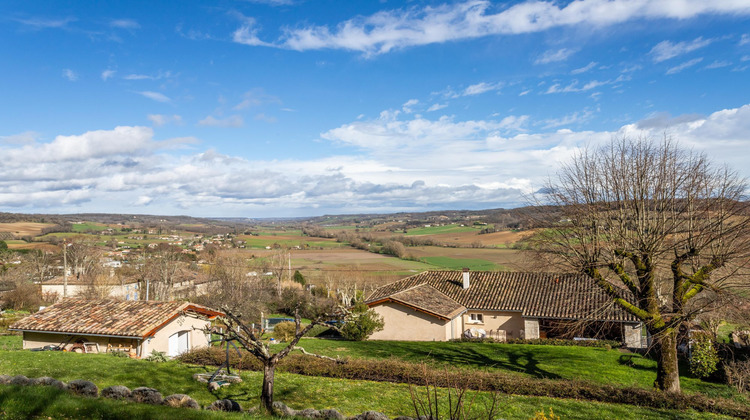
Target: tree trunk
(266, 395)
(667, 371)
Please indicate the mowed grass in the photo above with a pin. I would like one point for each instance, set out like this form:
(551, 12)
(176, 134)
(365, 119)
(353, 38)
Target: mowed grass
(553, 362)
(349, 397)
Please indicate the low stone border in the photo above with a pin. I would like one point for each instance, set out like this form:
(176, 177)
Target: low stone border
(145, 395)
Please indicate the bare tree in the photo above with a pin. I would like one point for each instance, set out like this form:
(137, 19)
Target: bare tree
(664, 224)
(252, 341)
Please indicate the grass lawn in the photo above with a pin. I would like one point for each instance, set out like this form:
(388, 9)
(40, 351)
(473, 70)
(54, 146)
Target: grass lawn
(554, 362)
(349, 397)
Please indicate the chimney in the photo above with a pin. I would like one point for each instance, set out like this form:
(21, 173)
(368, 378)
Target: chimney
(466, 277)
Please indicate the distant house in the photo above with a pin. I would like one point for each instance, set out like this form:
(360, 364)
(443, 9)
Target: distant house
(136, 327)
(443, 305)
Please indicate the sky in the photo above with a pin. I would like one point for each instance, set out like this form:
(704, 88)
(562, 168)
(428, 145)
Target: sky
(284, 108)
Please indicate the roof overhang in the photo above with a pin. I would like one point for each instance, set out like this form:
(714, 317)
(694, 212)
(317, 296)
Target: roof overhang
(131, 337)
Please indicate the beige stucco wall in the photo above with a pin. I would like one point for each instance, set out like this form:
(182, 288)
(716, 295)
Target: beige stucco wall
(406, 324)
(510, 322)
(160, 340)
(32, 340)
(117, 291)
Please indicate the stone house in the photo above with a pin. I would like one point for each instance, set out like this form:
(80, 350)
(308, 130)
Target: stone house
(443, 305)
(135, 326)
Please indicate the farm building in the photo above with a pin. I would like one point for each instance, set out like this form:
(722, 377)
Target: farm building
(136, 327)
(443, 305)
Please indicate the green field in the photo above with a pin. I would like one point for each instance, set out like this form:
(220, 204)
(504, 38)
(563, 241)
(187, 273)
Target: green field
(474, 264)
(348, 396)
(437, 230)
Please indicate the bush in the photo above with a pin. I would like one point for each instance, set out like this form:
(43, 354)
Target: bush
(157, 356)
(703, 357)
(362, 323)
(285, 331)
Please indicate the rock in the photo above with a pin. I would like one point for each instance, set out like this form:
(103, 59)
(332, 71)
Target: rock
(181, 400)
(47, 381)
(83, 388)
(370, 415)
(146, 395)
(224, 405)
(5, 379)
(19, 380)
(200, 377)
(331, 414)
(404, 418)
(308, 413)
(117, 392)
(282, 410)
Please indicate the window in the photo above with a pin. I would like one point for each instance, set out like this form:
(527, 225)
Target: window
(476, 318)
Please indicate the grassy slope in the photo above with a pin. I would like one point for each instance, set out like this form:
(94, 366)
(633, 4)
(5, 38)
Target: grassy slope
(555, 362)
(350, 397)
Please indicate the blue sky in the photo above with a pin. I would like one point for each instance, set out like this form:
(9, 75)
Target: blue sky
(299, 108)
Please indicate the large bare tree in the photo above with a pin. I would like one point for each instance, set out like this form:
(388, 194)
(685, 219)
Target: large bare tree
(662, 223)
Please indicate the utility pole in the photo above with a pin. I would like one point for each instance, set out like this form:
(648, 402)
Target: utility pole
(65, 268)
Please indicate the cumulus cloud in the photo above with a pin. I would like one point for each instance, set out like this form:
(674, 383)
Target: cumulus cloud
(407, 106)
(230, 121)
(398, 162)
(387, 30)
(436, 107)
(479, 88)
(666, 49)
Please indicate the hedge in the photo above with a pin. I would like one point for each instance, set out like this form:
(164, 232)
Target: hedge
(391, 370)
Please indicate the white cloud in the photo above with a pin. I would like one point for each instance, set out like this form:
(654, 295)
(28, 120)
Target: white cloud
(407, 106)
(107, 74)
(387, 30)
(552, 56)
(745, 58)
(42, 23)
(254, 98)
(745, 39)
(158, 76)
(436, 107)
(525, 92)
(480, 88)
(666, 49)
(265, 118)
(156, 96)
(685, 65)
(402, 162)
(70, 75)
(247, 33)
(124, 24)
(26, 137)
(230, 121)
(719, 64)
(159, 120)
(574, 86)
(585, 68)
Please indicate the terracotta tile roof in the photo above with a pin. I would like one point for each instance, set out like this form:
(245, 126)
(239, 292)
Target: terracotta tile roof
(426, 298)
(535, 295)
(126, 318)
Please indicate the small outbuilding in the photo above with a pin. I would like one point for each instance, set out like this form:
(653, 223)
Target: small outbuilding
(445, 305)
(135, 327)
